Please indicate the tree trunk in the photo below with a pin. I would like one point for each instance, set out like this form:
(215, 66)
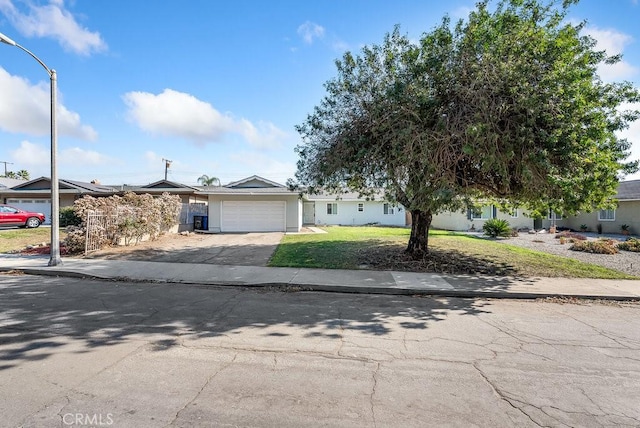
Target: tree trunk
(419, 239)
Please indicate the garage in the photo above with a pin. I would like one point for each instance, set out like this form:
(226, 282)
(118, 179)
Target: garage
(253, 216)
(34, 205)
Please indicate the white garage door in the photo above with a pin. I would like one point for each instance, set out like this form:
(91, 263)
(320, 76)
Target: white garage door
(34, 205)
(253, 216)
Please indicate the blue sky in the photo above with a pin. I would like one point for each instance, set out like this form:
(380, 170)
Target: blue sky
(217, 87)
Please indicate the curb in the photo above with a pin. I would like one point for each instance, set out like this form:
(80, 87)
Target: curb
(345, 289)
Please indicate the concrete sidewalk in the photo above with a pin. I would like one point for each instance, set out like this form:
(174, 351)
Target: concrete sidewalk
(334, 280)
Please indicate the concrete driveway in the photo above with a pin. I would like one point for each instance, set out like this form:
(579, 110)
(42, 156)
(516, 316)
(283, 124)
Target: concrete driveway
(241, 249)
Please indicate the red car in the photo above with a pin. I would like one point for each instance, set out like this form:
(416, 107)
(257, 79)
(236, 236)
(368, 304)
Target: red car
(12, 216)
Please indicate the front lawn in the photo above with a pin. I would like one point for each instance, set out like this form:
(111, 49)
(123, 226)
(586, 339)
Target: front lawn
(14, 240)
(383, 248)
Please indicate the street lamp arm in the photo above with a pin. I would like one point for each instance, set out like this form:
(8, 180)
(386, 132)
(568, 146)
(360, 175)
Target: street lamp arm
(9, 41)
(50, 71)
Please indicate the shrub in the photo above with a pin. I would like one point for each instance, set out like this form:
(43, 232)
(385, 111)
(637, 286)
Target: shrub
(68, 217)
(497, 227)
(601, 246)
(75, 239)
(132, 217)
(571, 236)
(631, 244)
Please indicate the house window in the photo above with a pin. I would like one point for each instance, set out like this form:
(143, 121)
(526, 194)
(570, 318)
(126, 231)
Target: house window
(514, 213)
(360, 207)
(483, 213)
(552, 215)
(388, 209)
(332, 209)
(607, 215)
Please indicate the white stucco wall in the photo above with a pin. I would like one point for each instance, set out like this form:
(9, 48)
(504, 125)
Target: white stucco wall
(348, 214)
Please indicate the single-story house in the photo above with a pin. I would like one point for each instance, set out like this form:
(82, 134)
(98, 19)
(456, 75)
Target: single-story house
(474, 219)
(255, 204)
(35, 195)
(627, 212)
(349, 209)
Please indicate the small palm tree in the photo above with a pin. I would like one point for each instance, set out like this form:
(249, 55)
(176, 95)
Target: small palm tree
(205, 180)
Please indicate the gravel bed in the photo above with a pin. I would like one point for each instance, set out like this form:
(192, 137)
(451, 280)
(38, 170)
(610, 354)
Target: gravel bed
(625, 261)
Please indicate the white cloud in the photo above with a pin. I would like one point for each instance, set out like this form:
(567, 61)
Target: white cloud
(613, 42)
(31, 154)
(78, 156)
(310, 31)
(54, 21)
(25, 108)
(265, 135)
(177, 114)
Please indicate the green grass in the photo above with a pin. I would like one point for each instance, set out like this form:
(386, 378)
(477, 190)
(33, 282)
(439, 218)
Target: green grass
(343, 247)
(337, 249)
(18, 239)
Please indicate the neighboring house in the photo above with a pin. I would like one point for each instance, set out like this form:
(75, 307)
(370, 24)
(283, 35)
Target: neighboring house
(35, 195)
(349, 209)
(627, 212)
(474, 219)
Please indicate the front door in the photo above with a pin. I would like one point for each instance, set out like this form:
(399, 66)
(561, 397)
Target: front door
(309, 213)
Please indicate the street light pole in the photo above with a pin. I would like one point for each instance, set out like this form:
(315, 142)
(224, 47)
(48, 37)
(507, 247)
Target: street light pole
(55, 259)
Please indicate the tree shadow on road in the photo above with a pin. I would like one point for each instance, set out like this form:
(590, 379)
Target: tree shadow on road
(41, 314)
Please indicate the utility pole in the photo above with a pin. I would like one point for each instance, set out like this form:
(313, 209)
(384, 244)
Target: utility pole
(5, 166)
(167, 164)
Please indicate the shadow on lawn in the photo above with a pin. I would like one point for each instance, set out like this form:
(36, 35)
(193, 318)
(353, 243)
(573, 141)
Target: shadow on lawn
(385, 255)
(42, 314)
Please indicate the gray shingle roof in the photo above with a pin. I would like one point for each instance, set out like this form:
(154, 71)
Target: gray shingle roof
(246, 191)
(629, 190)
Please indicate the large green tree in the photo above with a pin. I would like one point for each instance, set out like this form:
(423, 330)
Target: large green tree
(506, 105)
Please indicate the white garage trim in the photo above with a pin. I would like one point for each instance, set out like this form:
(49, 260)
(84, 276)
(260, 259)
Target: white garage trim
(253, 216)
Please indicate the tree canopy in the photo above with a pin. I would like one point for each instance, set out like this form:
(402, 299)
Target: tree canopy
(506, 105)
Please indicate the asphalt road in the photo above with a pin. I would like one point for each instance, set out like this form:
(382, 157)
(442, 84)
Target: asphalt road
(88, 353)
